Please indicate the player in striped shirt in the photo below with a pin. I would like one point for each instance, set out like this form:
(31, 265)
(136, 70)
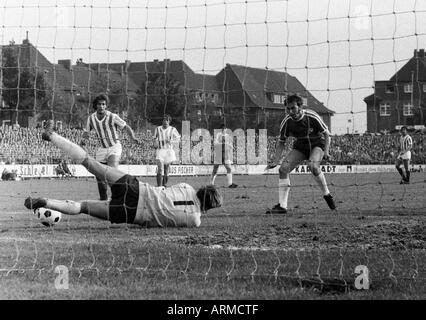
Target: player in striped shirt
(105, 124)
(165, 136)
(312, 143)
(404, 156)
(132, 201)
(223, 146)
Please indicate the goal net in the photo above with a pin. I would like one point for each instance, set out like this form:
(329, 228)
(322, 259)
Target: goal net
(359, 65)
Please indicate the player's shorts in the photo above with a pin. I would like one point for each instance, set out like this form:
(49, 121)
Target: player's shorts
(166, 156)
(307, 147)
(405, 156)
(124, 200)
(102, 154)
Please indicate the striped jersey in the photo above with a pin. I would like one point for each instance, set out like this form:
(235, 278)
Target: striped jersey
(175, 206)
(169, 134)
(106, 129)
(406, 143)
(309, 128)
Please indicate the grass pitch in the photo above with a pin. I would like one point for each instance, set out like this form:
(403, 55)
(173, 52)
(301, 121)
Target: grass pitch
(237, 253)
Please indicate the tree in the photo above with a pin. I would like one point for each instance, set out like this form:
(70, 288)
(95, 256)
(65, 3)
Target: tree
(162, 94)
(24, 90)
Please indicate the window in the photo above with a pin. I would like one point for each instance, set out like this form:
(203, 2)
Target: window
(198, 97)
(384, 109)
(424, 87)
(279, 98)
(408, 109)
(408, 87)
(390, 88)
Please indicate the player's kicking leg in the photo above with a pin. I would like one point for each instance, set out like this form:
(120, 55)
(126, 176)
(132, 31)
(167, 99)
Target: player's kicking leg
(94, 208)
(78, 154)
(290, 162)
(314, 164)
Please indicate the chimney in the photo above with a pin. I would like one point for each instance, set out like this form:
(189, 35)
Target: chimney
(419, 53)
(127, 65)
(66, 63)
(26, 41)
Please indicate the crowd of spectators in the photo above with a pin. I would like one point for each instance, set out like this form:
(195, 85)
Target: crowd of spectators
(20, 145)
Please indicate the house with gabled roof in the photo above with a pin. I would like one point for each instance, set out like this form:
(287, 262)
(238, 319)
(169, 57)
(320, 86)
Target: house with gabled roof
(258, 96)
(242, 97)
(71, 87)
(399, 101)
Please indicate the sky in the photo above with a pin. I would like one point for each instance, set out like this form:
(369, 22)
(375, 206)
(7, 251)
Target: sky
(336, 48)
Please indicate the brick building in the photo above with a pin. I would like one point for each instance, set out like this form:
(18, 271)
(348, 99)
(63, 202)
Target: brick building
(401, 99)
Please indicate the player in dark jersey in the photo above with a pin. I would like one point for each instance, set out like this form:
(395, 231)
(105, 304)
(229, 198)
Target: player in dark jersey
(312, 143)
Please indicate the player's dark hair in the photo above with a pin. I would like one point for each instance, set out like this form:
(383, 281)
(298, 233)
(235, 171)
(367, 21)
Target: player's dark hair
(294, 98)
(209, 197)
(167, 117)
(404, 127)
(101, 97)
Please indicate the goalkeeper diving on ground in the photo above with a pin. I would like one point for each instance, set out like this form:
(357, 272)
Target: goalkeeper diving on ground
(132, 201)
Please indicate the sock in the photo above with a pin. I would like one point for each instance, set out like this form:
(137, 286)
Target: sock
(64, 206)
(213, 178)
(229, 178)
(320, 179)
(283, 192)
(76, 152)
(103, 189)
(159, 180)
(408, 175)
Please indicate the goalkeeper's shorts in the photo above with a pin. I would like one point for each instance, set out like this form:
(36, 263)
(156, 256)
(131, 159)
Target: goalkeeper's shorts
(124, 200)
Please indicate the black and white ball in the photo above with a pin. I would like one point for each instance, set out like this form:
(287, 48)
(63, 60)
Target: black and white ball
(48, 217)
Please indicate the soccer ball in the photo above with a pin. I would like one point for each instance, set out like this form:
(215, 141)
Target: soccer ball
(48, 217)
